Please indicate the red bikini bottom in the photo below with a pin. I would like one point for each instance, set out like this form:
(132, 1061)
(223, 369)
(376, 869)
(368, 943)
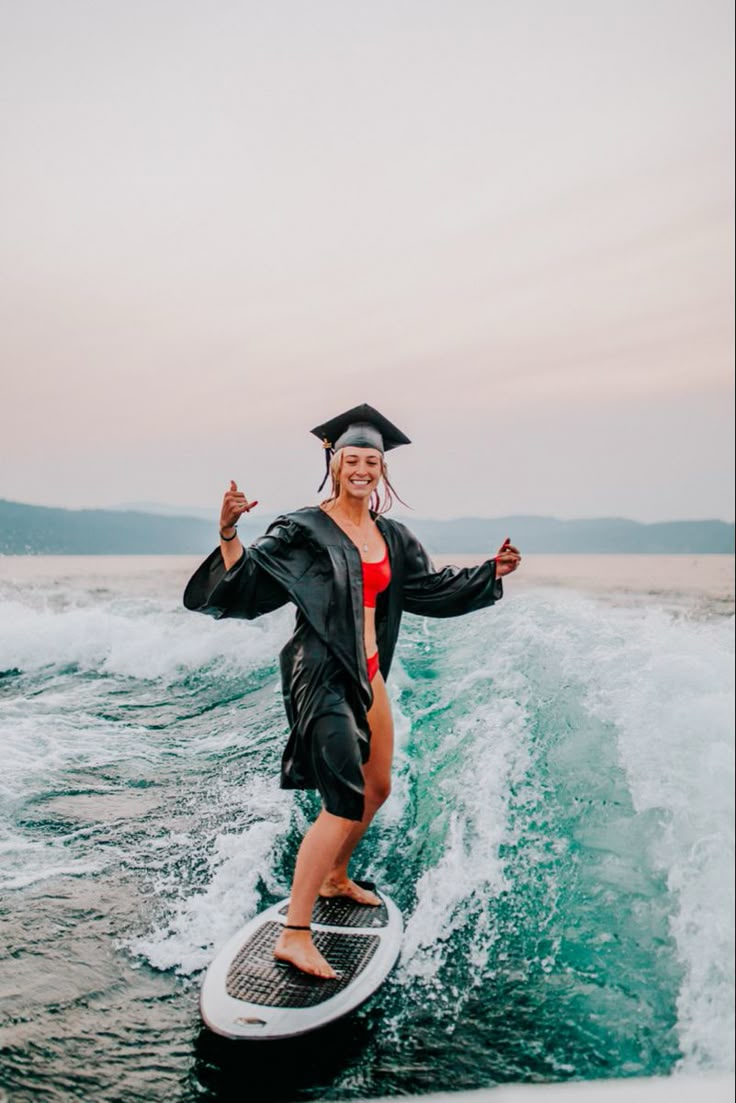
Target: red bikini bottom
(372, 666)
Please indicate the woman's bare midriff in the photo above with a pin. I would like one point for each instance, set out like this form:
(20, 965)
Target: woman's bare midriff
(369, 630)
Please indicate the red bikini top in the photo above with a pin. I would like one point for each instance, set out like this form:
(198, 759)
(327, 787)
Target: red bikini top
(376, 577)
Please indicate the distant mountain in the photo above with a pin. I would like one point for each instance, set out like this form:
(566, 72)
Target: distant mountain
(40, 530)
(600, 535)
(163, 509)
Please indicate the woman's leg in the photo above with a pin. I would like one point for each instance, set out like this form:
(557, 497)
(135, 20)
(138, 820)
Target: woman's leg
(316, 857)
(377, 774)
(322, 861)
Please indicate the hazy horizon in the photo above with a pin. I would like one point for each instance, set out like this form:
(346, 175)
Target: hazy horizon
(506, 225)
(400, 513)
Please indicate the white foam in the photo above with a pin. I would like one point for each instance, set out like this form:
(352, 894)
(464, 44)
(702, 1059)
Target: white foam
(48, 737)
(197, 923)
(135, 638)
(462, 781)
(472, 793)
(668, 687)
(664, 684)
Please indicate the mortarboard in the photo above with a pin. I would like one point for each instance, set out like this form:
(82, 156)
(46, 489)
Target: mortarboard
(363, 427)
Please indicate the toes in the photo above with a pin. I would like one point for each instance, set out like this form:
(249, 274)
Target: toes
(368, 898)
(315, 969)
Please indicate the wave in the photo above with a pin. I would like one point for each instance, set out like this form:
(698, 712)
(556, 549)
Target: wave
(559, 835)
(132, 638)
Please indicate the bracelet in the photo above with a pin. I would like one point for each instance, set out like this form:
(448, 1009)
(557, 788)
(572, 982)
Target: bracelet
(227, 539)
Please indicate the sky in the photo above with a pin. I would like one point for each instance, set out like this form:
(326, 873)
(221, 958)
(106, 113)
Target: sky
(507, 224)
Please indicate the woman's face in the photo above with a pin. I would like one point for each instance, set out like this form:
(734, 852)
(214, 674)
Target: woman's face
(360, 472)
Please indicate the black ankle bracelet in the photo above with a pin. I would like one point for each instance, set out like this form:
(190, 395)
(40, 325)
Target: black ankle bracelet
(291, 927)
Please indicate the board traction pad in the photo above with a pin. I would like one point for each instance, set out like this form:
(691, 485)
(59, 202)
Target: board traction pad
(256, 977)
(341, 911)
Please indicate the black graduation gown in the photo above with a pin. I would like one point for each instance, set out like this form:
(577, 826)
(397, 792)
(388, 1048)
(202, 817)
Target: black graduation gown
(306, 558)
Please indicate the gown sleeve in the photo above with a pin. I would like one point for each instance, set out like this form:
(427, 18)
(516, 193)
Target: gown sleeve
(247, 590)
(450, 592)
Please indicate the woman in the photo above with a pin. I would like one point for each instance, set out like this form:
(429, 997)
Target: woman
(351, 573)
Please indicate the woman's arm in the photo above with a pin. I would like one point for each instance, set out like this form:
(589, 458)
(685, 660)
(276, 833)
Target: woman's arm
(231, 550)
(230, 582)
(450, 592)
(234, 505)
(246, 590)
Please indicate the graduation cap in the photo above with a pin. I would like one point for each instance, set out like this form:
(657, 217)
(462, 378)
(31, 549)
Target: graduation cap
(363, 427)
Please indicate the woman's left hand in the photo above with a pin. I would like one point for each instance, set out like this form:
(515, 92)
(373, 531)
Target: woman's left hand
(507, 558)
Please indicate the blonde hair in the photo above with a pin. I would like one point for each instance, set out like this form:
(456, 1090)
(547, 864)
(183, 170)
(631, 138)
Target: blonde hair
(377, 504)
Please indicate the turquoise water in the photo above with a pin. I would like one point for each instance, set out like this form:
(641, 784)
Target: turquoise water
(559, 838)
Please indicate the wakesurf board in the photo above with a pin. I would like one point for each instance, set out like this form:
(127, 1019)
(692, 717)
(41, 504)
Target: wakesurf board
(246, 993)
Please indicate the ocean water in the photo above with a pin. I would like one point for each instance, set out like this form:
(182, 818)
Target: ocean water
(559, 837)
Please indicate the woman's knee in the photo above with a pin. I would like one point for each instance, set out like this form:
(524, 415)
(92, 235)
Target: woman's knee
(378, 791)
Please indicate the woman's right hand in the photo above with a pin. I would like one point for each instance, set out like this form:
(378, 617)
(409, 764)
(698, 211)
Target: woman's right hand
(234, 505)
(508, 558)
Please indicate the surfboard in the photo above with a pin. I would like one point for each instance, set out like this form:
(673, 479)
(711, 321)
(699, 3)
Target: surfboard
(246, 993)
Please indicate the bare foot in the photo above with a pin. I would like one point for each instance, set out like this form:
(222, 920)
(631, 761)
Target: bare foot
(345, 887)
(297, 948)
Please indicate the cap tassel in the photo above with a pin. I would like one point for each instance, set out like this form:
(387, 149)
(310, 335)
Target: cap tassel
(329, 453)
